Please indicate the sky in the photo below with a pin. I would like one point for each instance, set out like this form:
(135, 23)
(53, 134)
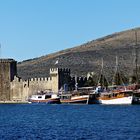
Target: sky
(34, 28)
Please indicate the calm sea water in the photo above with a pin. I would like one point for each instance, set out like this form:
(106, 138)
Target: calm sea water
(69, 122)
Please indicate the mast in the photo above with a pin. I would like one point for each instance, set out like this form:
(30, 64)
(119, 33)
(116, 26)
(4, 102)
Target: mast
(102, 78)
(117, 77)
(76, 83)
(101, 81)
(116, 70)
(136, 56)
(102, 74)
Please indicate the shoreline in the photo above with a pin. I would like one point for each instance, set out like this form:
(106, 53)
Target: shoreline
(14, 102)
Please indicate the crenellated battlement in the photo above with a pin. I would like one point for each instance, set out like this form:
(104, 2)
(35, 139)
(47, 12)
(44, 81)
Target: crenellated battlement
(17, 79)
(65, 70)
(23, 89)
(7, 60)
(59, 70)
(40, 79)
(54, 71)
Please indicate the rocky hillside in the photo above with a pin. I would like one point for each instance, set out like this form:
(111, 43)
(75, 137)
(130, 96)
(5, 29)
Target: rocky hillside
(87, 57)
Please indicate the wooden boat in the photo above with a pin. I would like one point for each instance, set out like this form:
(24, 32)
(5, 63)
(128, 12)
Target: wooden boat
(45, 98)
(79, 96)
(74, 98)
(116, 94)
(116, 97)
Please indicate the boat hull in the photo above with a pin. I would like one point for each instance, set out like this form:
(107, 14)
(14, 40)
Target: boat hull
(78, 100)
(136, 100)
(47, 101)
(123, 100)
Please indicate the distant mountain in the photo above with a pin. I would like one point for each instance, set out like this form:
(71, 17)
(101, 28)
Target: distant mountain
(87, 57)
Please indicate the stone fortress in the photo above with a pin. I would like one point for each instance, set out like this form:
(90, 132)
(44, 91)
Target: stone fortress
(13, 88)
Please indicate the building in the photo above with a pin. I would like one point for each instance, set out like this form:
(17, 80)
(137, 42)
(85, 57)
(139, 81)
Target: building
(13, 88)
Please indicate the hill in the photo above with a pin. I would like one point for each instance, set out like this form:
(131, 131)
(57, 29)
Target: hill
(87, 57)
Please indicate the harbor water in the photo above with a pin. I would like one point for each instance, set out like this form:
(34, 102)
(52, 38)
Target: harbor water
(69, 122)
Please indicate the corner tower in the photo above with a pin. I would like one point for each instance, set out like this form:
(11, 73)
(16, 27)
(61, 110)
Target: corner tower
(8, 69)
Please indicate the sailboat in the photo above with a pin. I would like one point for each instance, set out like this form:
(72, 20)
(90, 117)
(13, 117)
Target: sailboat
(115, 94)
(136, 86)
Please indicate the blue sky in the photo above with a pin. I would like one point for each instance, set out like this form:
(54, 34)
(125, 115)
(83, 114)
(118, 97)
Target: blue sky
(33, 28)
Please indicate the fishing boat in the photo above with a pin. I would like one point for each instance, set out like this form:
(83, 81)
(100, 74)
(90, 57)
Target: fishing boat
(45, 98)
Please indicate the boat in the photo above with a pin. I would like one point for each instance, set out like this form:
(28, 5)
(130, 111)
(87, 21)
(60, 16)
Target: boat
(136, 95)
(82, 96)
(136, 100)
(74, 99)
(45, 98)
(115, 94)
(116, 97)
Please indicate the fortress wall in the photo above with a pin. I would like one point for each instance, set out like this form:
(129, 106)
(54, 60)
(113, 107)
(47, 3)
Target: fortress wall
(19, 90)
(22, 90)
(13, 88)
(39, 84)
(43, 84)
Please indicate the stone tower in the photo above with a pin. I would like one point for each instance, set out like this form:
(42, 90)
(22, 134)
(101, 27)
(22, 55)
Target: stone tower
(64, 78)
(54, 79)
(8, 70)
(59, 77)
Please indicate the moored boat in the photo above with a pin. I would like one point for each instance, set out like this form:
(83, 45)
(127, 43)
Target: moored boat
(74, 99)
(81, 95)
(136, 96)
(45, 98)
(116, 97)
(115, 94)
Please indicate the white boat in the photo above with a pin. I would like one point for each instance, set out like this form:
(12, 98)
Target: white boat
(115, 94)
(114, 98)
(45, 98)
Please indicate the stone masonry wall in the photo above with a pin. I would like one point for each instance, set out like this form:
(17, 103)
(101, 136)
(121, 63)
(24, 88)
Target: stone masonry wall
(22, 90)
(7, 72)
